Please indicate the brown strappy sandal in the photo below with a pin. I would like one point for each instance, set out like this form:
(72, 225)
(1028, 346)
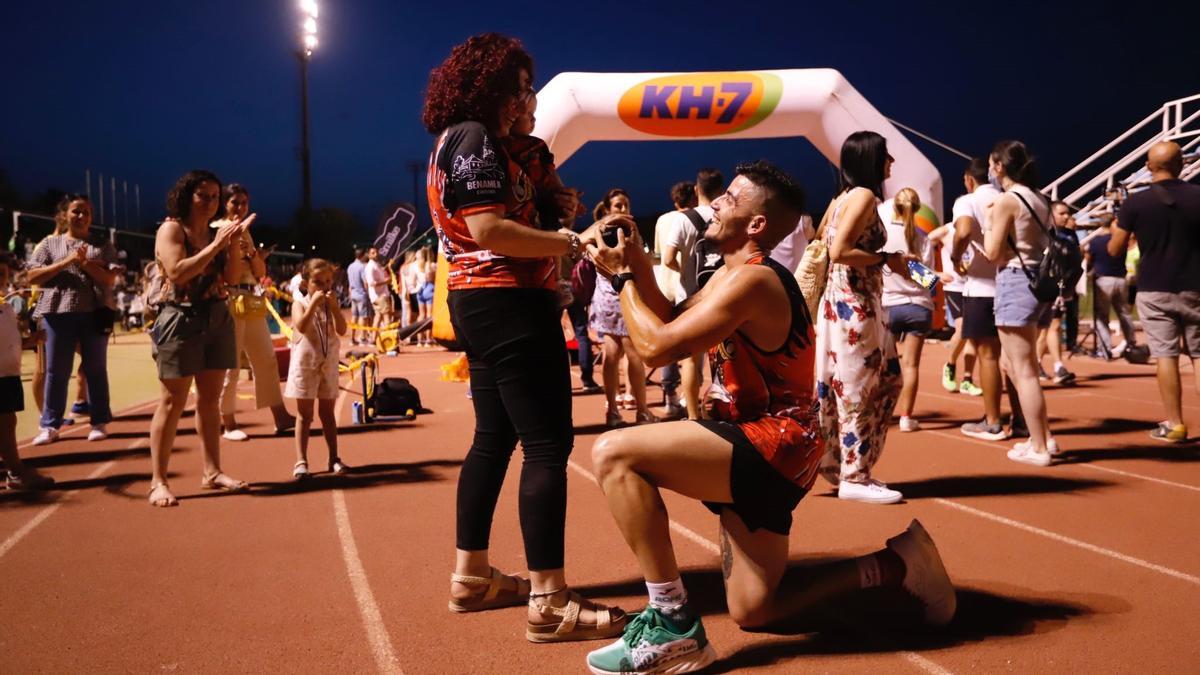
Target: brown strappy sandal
(610, 621)
(496, 595)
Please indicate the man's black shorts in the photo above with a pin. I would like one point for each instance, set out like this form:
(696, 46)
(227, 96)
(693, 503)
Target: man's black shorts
(12, 394)
(762, 497)
(979, 319)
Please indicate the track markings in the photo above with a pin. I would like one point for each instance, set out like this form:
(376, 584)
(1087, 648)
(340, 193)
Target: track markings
(994, 445)
(381, 644)
(1115, 555)
(711, 546)
(41, 516)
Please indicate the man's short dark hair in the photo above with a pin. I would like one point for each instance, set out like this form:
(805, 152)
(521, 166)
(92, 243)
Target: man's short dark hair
(978, 169)
(710, 183)
(359, 251)
(683, 193)
(779, 187)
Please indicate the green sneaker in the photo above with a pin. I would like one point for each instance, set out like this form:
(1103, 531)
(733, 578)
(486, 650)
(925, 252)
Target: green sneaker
(969, 388)
(949, 382)
(652, 645)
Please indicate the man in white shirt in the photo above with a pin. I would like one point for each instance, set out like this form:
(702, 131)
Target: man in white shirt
(790, 251)
(979, 293)
(678, 255)
(376, 278)
(683, 196)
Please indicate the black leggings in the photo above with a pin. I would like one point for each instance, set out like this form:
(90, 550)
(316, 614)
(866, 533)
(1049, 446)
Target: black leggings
(521, 389)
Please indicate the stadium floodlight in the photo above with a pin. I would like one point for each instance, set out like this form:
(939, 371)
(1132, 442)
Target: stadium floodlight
(309, 7)
(310, 26)
(310, 43)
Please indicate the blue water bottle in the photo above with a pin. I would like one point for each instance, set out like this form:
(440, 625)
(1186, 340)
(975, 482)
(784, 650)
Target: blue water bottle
(356, 412)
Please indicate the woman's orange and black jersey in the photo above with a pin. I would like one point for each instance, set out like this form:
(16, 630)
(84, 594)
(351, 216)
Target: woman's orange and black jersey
(769, 394)
(469, 173)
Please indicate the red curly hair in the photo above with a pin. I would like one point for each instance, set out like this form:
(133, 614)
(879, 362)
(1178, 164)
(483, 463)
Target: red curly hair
(472, 83)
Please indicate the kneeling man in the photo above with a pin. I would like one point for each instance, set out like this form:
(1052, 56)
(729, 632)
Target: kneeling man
(756, 456)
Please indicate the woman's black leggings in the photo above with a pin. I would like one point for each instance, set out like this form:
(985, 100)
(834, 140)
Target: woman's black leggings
(521, 388)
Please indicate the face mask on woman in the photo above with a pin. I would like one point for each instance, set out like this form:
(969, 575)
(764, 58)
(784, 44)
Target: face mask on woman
(995, 180)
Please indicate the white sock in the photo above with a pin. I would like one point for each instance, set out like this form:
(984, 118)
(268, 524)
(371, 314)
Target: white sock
(869, 574)
(668, 595)
(1058, 365)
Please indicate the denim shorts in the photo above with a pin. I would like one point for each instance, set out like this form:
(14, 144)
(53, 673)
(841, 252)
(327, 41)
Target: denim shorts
(909, 318)
(1016, 306)
(361, 307)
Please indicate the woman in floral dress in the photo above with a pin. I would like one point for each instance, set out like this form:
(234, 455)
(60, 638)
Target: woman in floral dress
(858, 372)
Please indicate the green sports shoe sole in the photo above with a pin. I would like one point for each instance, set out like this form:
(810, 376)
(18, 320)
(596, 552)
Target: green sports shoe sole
(650, 646)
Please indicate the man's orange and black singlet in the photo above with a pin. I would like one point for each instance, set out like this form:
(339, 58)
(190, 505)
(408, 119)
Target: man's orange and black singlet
(769, 394)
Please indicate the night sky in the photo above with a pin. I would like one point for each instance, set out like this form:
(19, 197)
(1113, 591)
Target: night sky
(146, 90)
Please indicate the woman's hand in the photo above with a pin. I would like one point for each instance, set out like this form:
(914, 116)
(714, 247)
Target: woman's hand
(898, 262)
(228, 232)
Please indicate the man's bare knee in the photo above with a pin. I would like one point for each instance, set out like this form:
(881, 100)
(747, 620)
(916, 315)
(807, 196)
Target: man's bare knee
(608, 455)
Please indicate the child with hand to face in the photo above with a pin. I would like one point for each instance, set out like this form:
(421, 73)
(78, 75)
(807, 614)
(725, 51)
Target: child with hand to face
(317, 323)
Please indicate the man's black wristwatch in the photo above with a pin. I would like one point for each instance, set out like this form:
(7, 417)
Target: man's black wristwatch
(618, 280)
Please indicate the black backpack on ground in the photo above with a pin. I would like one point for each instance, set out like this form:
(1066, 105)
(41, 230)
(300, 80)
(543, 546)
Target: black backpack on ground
(1060, 267)
(706, 257)
(396, 396)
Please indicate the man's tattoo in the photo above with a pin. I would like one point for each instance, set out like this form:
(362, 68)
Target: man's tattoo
(726, 555)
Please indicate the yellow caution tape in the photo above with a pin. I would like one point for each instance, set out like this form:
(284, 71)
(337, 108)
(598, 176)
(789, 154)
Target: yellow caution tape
(287, 330)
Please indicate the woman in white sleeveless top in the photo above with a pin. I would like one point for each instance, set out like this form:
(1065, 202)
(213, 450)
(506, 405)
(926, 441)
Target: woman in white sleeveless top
(1013, 221)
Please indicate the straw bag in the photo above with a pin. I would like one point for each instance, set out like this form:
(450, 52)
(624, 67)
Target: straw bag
(813, 271)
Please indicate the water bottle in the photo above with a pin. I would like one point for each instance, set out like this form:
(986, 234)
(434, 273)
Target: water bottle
(356, 412)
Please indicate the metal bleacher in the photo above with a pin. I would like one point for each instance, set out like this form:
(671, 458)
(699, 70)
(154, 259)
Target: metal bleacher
(1110, 180)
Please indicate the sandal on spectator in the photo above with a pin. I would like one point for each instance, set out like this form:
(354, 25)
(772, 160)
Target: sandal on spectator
(222, 481)
(161, 501)
(610, 621)
(498, 593)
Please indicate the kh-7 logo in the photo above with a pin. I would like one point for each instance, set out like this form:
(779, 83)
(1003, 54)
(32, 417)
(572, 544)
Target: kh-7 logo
(700, 104)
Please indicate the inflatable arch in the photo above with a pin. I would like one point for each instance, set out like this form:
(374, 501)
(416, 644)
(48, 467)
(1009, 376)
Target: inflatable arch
(818, 104)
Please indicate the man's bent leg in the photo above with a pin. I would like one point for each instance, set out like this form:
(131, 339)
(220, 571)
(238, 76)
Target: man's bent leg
(633, 464)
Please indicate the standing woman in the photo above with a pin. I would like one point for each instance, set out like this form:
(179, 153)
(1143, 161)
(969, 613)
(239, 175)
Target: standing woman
(502, 300)
(249, 310)
(1016, 238)
(426, 269)
(607, 321)
(194, 335)
(909, 305)
(858, 374)
(73, 276)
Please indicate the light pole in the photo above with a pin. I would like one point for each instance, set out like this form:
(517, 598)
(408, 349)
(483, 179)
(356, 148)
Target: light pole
(308, 10)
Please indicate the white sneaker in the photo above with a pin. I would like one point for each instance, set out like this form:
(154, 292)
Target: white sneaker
(925, 575)
(46, 437)
(1027, 446)
(1119, 350)
(235, 435)
(909, 424)
(98, 433)
(1025, 454)
(871, 492)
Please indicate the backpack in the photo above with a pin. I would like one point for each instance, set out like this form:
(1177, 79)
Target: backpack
(396, 396)
(1072, 258)
(706, 257)
(583, 281)
(1050, 279)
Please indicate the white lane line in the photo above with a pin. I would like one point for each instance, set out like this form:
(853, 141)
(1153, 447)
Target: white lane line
(1115, 555)
(1157, 404)
(80, 426)
(41, 516)
(381, 644)
(925, 664)
(711, 546)
(995, 445)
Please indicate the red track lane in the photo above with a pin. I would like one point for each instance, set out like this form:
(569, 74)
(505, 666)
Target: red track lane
(1091, 565)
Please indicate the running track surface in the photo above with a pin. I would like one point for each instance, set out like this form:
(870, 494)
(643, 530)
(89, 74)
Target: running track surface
(1092, 565)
